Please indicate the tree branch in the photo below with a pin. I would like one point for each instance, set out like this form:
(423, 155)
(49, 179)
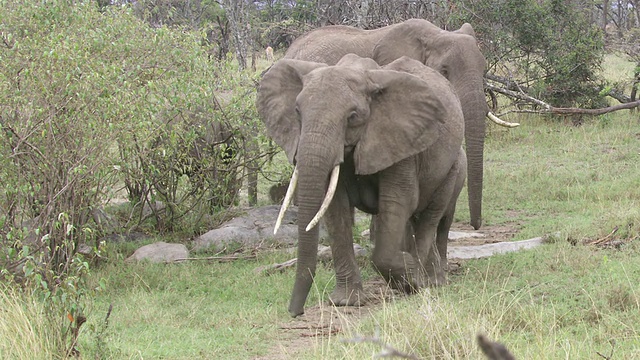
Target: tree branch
(512, 90)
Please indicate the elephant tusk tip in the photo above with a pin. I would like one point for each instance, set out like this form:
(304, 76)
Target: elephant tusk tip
(501, 122)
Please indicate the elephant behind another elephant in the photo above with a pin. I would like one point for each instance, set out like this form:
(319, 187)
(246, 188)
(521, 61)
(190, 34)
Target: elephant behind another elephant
(454, 54)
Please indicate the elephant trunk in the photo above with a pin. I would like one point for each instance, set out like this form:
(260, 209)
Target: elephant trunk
(314, 168)
(475, 109)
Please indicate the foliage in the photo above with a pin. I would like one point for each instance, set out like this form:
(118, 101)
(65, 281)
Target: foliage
(55, 96)
(551, 48)
(91, 99)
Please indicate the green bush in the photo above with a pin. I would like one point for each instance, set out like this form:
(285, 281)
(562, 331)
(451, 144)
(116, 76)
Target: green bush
(94, 101)
(550, 47)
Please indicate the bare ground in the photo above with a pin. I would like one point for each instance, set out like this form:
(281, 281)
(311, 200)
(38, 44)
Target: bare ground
(324, 320)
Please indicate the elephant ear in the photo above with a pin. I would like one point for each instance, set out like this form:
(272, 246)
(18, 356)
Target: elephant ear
(276, 101)
(409, 38)
(466, 28)
(405, 118)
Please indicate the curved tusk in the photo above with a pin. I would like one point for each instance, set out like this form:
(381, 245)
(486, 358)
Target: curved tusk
(333, 184)
(501, 122)
(287, 199)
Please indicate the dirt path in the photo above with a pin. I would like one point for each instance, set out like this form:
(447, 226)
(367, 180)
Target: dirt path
(323, 320)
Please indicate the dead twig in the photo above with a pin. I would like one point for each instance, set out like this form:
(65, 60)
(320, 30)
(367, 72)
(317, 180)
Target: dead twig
(220, 259)
(270, 269)
(332, 331)
(613, 346)
(305, 327)
(387, 350)
(326, 329)
(493, 350)
(606, 238)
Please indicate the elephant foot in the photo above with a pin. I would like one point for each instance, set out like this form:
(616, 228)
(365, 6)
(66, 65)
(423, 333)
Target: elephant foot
(436, 276)
(342, 296)
(409, 283)
(402, 272)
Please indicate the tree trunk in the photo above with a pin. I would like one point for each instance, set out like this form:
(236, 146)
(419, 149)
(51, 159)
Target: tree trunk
(239, 23)
(605, 20)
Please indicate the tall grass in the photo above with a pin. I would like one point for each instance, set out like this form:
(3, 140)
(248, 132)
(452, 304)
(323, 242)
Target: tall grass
(559, 301)
(25, 330)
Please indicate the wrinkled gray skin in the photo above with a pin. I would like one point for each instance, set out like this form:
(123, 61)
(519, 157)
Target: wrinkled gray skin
(455, 54)
(397, 138)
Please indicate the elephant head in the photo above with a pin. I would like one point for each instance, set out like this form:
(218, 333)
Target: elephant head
(321, 114)
(455, 54)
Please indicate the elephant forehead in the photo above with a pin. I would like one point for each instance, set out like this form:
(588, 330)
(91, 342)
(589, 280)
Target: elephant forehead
(463, 48)
(335, 78)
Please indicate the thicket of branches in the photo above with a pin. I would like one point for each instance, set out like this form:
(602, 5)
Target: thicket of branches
(540, 52)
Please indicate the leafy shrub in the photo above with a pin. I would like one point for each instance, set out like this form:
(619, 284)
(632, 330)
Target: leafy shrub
(93, 101)
(550, 47)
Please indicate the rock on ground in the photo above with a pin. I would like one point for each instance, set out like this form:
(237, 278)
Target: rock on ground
(160, 252)
(252, 229)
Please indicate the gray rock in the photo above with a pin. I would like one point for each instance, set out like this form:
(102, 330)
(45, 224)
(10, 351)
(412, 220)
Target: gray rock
(160, 252)
(486, 250)
(453, 235)
(254, 227)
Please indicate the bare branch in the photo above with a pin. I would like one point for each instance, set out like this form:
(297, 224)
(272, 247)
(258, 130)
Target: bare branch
(572, 111)
(518, 95)
(549, 109)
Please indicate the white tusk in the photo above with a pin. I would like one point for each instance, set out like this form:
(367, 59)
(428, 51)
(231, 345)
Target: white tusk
(501, 122)
(333, 184)
(287, 199)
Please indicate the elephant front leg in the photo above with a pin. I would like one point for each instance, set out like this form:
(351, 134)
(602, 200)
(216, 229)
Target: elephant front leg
(394, 255)
(394, 245)
(339, 222)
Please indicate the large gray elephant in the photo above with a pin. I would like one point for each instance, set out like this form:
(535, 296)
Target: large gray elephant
(385, 140)
(455, 54)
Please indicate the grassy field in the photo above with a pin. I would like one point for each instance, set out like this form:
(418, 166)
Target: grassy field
(567, 299)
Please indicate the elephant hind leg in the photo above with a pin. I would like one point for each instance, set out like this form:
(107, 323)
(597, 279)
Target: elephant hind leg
(435, 221)
(442, 239)
(428, 255)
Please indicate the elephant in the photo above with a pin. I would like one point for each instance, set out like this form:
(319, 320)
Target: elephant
(387, 141)
(455, 54)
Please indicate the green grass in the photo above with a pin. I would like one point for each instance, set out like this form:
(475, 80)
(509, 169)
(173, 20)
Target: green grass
(196, 310)
(558, 301)
(25, 330)
(549, 176)
(618, 68)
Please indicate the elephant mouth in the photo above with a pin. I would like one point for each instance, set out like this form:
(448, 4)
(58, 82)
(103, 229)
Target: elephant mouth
(331, 191)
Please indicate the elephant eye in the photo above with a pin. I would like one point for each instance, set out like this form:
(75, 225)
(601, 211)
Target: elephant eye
(297, 111)
(445, 72)
(354, 119)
